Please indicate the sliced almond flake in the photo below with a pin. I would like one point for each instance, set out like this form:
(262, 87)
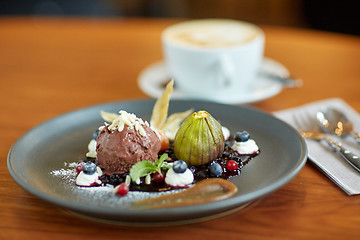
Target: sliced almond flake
(142, 132)
(99, 171)
(92, 145)
(121, 127)
(137, 126)
(91, 154)
(125, 116)
(128, 122)
(116, 189)
(146, 123)
(148, 179)
(137, 181)
(140, 129)
(160, 110)
(114, 124)
(128, 180)
(112, 127)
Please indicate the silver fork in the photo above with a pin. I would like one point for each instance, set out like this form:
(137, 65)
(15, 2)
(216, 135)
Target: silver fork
(308, 128)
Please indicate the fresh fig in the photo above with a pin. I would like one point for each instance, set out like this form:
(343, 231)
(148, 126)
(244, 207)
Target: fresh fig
(199, 139)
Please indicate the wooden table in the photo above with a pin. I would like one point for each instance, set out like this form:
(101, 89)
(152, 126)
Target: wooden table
(52, 66)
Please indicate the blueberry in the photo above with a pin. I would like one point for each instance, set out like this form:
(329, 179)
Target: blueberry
(242, 136)
(89, 168)
(215, 170)
(95, 134)
(179, 166)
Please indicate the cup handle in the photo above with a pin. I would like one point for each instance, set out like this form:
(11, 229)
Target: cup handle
(226, 72)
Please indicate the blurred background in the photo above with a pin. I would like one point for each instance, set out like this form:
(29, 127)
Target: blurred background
(340, 16)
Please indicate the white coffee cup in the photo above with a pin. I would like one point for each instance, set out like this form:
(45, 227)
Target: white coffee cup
(213, 57)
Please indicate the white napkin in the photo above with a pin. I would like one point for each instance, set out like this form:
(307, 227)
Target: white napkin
(337, 169)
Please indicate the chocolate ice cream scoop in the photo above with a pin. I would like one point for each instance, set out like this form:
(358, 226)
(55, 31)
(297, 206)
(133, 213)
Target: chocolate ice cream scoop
(118, 148)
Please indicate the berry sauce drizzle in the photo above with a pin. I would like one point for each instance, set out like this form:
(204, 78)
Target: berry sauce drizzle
(200, 172)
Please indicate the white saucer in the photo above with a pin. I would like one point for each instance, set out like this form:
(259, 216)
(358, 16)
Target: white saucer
(154, 77)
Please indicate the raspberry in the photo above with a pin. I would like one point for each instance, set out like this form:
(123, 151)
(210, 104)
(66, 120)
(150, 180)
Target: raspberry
(79, 167)
(231, 165)
(123, 189)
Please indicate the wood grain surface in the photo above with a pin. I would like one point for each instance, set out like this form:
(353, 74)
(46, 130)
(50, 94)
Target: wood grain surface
(49, 66)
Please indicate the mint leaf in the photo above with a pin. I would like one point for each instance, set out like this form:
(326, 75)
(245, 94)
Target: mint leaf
(141, 169)
(161, 160)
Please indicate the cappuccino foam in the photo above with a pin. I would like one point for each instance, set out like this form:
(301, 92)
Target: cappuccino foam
(211, 33)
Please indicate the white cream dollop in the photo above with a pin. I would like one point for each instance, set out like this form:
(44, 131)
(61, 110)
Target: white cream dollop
(226, 132)
(248, 147)
(179, 179)
(92, 149)
(87, 180)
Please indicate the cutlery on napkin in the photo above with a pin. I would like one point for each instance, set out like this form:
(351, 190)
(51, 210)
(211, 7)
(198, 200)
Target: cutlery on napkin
(331, 164)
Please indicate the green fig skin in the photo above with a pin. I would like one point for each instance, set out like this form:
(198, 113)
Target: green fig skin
(199, 139)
